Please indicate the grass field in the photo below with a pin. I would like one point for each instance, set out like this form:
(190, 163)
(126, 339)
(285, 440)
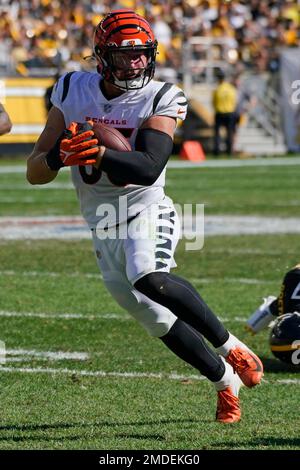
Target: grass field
(119, 388)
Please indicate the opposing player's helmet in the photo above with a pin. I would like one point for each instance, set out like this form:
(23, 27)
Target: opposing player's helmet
(285, 338)
(125, 48)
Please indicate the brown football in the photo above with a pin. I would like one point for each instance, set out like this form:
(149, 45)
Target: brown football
(111, 137)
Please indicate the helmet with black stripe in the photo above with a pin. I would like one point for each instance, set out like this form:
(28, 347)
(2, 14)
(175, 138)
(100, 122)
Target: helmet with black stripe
(285, 338)
(125, 49)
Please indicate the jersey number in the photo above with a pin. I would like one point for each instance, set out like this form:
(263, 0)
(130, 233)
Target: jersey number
(95, 175)
(296, 293)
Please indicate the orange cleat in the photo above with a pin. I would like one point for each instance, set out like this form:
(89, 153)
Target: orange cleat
(247, 365)
(228, 407)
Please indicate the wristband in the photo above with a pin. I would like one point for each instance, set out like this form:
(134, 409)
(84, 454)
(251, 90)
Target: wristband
(53, 159)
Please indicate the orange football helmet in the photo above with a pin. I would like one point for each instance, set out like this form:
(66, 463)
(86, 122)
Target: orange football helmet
(125, 49)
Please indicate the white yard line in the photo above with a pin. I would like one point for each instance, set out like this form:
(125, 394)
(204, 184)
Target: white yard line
(249, 251)
(81, 316)
(280, 161)
(125, 375)
(77, 274)
(24, 186)
(7, 169)
(41, 220)
(66, 316)
(244, 225)
(288, 381)
(53, 355)
(233, 319)
(98, 373)
(11, 272)
(222, 163)
(231, 280)
(98, 316)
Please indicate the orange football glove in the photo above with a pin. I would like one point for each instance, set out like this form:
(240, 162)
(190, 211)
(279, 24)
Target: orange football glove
(78, 145)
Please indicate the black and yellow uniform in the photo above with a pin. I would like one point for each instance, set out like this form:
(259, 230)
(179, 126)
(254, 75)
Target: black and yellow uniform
(288, 300)
(224, 104)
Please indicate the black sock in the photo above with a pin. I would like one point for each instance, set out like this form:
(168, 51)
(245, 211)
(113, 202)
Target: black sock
(189, 345)
(179, 296)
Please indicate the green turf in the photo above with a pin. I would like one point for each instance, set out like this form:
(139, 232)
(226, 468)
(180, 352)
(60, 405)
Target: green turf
(70, 411)
(269, 191)
(110, 414)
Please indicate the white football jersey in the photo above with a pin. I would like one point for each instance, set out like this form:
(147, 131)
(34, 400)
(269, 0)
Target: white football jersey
(79, 98)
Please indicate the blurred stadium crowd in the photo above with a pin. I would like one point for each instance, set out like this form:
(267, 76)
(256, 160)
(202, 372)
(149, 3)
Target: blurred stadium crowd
(38, 34)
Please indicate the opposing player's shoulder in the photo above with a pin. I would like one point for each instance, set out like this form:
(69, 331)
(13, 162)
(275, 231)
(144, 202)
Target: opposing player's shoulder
(169, 100)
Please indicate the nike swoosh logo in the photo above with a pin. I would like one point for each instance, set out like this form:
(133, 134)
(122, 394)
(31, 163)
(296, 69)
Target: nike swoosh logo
(258, 366)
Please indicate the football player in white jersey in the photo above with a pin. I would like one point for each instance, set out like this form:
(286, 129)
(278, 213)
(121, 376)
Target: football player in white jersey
(136, 270)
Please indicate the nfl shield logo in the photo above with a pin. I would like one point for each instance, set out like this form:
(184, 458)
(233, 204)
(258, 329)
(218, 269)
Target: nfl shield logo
(107, 108)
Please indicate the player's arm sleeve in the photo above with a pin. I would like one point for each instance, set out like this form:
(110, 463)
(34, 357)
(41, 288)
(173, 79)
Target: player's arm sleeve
(152, 147)
(144, 165)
